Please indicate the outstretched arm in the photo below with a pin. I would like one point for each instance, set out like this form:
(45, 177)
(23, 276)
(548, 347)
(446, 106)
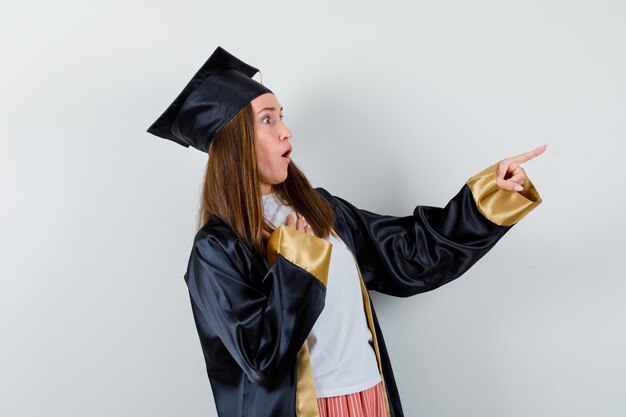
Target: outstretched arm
(403, 256)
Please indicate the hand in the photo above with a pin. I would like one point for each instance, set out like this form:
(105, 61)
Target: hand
(300, 225)
(510, 175)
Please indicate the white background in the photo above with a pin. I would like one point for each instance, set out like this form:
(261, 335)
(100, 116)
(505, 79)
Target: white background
(392, 105)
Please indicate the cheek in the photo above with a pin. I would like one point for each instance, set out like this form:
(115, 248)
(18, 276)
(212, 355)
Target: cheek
(264, 156)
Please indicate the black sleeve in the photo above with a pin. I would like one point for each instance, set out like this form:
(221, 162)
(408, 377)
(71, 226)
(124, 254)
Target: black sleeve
(403, 256)
(262, 321)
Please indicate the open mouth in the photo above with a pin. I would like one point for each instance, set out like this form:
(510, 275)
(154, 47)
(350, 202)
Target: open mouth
(286, 154)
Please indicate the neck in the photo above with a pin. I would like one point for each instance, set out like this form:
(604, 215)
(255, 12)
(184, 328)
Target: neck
(266, 189)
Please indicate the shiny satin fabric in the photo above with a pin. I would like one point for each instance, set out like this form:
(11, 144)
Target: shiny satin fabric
(306, 398)
(220, 89)
(302, 249)
(215, 101)
(252, 320)
(253, 316)
(502, 207)
(404, 256)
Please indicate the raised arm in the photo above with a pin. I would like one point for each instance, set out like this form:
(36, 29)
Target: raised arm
(403, 256)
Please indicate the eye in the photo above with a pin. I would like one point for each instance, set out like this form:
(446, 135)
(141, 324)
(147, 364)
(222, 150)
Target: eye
(266, 119)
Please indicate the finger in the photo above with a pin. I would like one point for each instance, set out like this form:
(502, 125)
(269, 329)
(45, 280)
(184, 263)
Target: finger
(265, 234)
(513, 170)
(290, 221)
(518, 179)
(304, 223)
(510, 185)
(300, 224)
(503, 168)
(507, 183)
(516, 175)
(527, 156)
(306, 228)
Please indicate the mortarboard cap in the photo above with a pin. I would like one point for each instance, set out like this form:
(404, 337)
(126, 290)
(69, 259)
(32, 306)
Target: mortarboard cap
(218, 91)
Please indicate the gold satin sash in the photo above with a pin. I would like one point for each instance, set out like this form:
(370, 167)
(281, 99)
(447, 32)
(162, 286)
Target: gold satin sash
(309, 252)
(312, 254)
(306, 396)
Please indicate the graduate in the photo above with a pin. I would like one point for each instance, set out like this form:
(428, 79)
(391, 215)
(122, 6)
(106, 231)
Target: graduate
(279, 271)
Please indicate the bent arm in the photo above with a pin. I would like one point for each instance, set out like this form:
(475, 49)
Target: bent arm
(262, 321)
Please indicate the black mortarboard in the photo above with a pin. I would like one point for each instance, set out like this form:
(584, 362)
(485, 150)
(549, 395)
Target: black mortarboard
(218, 91)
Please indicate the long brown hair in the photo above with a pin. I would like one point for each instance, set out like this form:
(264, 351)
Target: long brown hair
(232, 189)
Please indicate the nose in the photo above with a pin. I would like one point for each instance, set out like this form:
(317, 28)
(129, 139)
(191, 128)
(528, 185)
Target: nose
(285, 133)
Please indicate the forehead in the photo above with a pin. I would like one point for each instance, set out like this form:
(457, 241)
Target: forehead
(265, 100)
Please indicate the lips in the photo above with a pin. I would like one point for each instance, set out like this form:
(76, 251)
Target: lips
(287, 153)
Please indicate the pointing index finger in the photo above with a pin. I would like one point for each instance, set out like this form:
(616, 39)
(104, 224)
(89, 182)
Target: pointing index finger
(527, 156)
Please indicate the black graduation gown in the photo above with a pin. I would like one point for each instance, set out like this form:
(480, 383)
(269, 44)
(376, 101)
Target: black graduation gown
(253, 314)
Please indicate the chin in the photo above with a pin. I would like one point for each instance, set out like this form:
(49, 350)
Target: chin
(281, 180)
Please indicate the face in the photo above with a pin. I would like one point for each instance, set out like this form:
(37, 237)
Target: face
(271, 141)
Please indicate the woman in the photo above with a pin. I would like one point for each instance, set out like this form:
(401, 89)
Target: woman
(281, 302)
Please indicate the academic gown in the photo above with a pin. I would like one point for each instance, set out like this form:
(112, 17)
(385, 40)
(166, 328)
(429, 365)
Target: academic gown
(253, 314)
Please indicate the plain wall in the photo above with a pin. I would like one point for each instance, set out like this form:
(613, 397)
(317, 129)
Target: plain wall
(392, 105)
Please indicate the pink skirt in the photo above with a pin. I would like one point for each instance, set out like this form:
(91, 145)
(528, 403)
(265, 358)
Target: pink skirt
(368, 403)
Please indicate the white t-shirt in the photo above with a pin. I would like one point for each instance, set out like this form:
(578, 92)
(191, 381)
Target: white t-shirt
(340, 344)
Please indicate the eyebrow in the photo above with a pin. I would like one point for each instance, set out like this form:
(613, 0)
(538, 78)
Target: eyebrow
(269, 108)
